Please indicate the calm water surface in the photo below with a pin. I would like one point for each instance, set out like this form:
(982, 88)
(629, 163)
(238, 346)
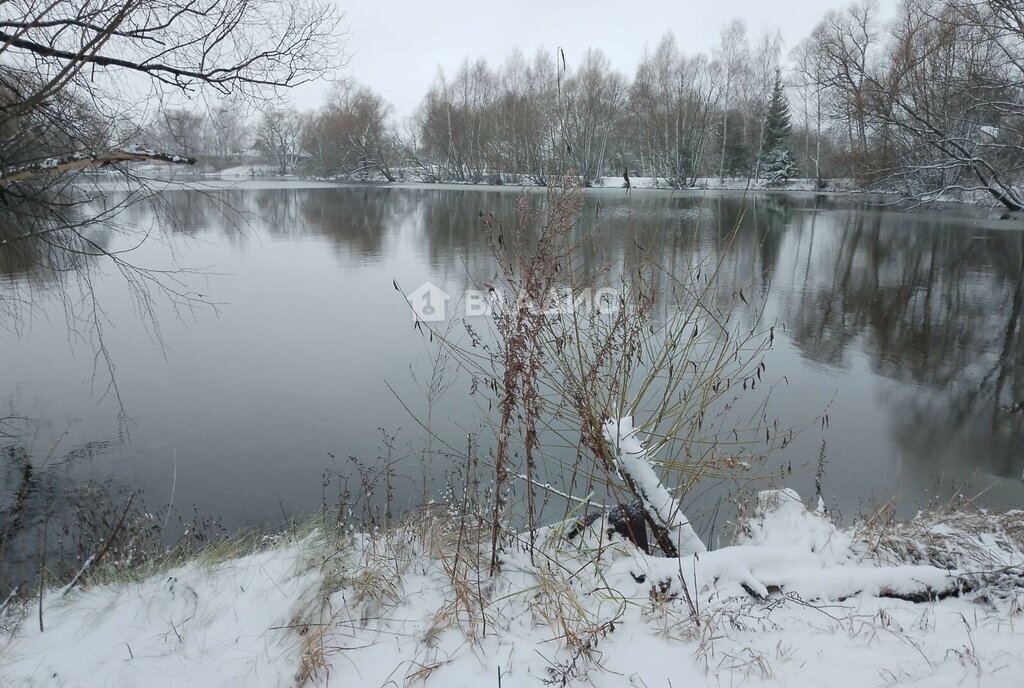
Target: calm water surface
(907, 323)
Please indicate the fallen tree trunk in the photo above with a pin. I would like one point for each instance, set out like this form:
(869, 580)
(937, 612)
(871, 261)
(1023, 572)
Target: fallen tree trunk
(784, 549)
(671, 529)
(84, 160)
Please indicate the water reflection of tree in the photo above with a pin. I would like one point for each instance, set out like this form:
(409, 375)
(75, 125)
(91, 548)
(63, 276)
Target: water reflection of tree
(933, 304)
(46, 257)
(981, 385)
(31, 494)
(355, 219)
(28, 247)
(52, 501)
(938, 307)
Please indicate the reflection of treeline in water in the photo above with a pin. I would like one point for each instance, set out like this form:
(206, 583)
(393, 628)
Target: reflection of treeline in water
(926, 301)
(931, 304)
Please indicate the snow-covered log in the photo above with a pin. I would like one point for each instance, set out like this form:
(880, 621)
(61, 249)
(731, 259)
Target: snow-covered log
(786, 548)
(760, 570)
(84, 160)
(631, 459)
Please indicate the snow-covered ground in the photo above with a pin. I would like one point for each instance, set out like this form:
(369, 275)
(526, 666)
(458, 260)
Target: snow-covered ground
(417, 605)
(244, 171)
(414, 178)
(731, 184)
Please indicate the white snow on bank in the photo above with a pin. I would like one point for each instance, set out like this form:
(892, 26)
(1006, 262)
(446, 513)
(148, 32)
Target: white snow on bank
(729, 184)
(244, 171)
(781, 520)
(220, 625)
(412, 607)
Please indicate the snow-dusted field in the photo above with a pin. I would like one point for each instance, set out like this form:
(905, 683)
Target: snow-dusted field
(243, 171)
(417, 606)
(731, 184)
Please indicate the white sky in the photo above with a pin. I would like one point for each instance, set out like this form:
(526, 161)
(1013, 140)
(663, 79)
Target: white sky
(395, 46)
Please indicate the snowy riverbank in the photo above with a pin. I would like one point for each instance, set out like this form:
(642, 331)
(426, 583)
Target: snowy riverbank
(246, 173)
(417, 605)
(734, 184)
(512, 181)
(841, 186)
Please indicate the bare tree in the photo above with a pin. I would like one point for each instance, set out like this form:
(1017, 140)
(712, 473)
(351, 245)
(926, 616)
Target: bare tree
(456, 122)
(91, 52)
(353, 134)
(844, 45)
(593, 95)
(547, 141)
(808, 80)
(950, 99)
(936, 108)
(672, 104)
(486, 125)
(75, 80)
(522, 116)
(226, 133)
(280, 135)
(181, 130)
(733, 57)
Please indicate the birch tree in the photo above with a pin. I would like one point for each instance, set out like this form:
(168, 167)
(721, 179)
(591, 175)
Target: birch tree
(594, 96)
(733, 57)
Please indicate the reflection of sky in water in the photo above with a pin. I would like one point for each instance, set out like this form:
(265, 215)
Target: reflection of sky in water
(905, 322)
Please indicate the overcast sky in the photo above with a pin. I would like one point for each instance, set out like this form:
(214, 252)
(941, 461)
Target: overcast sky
(396, 46)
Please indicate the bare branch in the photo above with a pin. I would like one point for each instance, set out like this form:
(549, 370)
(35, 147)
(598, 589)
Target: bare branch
(82, 161)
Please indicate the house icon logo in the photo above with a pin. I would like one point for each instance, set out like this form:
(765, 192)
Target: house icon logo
(428, 303)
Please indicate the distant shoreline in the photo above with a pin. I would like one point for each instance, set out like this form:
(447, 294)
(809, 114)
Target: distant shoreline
(607, 185)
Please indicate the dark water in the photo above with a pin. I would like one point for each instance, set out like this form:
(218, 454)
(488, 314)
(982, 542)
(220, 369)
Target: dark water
(907, 323)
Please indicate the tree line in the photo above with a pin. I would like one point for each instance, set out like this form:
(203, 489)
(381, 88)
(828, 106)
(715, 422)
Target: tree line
(928, 103)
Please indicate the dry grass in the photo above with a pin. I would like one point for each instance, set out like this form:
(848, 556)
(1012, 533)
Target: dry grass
(674, 352)
(988, 548)
(362, 583)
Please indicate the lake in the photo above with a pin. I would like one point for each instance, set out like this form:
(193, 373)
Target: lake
(298, 360)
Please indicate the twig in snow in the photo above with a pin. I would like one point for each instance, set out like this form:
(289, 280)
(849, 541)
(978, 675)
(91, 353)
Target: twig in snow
(9, 598)
(42, 568)
(174, 484)
(549, 488)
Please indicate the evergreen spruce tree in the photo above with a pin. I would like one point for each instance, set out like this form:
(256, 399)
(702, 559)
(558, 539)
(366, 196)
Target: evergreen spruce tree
(777, 126)
(777, 162)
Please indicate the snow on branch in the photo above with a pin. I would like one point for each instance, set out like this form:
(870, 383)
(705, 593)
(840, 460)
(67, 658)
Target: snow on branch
(85, 160)
(631, 459)
(787, 549)
(784, 548)
(760, 570)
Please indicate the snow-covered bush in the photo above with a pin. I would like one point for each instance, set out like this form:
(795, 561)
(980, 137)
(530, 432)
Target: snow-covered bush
(778, 165)
(673, 343)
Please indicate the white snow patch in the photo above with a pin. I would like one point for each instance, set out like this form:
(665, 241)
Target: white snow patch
(728, 184)
(407, 607)
(781, 520)
(196, 626)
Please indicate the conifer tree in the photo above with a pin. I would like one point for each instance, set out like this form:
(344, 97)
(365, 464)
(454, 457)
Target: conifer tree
(777, 126)
(777, 161)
